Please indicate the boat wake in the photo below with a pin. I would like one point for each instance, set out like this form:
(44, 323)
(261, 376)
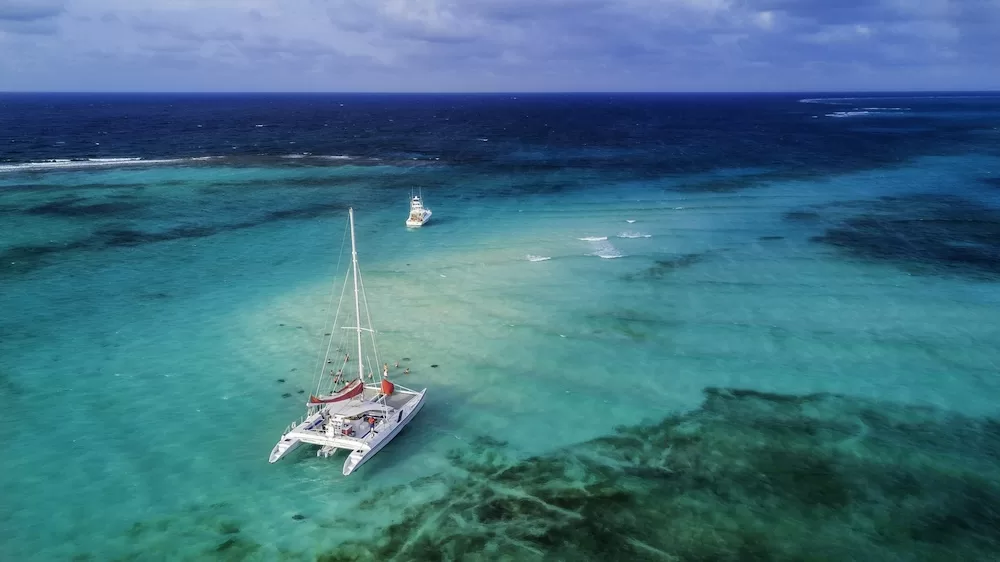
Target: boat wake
(538, 258)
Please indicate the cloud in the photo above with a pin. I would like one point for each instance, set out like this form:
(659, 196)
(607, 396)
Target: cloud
(29, 10)
(30, 17)
(502, 44)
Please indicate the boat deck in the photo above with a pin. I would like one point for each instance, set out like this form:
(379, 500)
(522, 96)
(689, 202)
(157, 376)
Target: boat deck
(355, 407)
(399, 399)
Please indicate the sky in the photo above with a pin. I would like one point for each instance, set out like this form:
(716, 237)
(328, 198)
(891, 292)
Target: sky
(499, 45)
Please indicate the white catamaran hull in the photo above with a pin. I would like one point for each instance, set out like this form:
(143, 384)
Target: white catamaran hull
(289, 442)
(359, 456)
(415, 221)
(313, 429)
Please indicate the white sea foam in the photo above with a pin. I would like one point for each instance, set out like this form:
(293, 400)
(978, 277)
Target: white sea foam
(848, 113)
(869, 111)
(613, 253)
(630, 221)
(302, 155)
(538, 258)
(629, 234)
(60, 163)
(593, 238)
(605, 250)
(841, 101)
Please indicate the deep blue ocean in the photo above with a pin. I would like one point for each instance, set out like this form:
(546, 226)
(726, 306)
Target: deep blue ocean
(651, 326)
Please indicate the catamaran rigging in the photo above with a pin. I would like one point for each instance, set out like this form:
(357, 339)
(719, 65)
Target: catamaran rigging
(358, 417)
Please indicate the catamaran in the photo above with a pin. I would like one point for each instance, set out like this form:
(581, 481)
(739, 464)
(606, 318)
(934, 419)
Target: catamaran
(419, 215)
(359, 415)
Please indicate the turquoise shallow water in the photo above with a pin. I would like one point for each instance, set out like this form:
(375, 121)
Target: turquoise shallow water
(140, 382)
(159, 323)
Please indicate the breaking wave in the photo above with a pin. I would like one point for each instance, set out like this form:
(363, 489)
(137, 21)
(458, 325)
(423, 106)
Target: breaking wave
(869, 111)
(848, 100)
(605, 250)
(61, 164)
(304, 155)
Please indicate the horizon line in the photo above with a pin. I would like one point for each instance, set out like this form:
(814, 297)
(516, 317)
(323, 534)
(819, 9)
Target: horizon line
(493, 93)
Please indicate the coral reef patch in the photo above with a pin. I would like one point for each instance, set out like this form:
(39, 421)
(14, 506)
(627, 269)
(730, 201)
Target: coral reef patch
(749, 476)
(924, 234)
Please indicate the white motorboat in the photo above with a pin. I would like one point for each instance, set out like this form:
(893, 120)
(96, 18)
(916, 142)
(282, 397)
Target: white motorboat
(359, 415)
(419, 215)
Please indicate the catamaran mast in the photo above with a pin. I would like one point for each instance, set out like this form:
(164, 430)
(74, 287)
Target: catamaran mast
(357, 303)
